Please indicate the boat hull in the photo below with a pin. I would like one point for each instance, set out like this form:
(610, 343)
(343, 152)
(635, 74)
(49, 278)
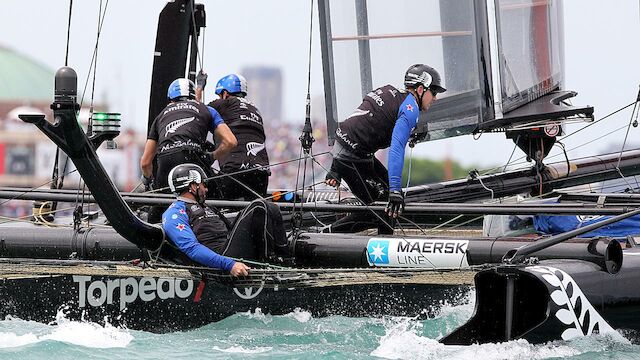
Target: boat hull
(165, 301)
(553, 300)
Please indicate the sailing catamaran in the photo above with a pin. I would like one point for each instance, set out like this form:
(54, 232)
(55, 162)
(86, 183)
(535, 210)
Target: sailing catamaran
(560, 287)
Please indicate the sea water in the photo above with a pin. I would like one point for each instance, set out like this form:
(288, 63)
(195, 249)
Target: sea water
(298, 335)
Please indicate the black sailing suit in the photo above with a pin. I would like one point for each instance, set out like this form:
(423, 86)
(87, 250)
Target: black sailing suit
(245, 121)
(384, 113)
(180, 130)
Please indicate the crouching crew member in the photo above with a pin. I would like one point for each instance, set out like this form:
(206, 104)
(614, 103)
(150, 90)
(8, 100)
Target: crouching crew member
(207, 238)
(385, 118)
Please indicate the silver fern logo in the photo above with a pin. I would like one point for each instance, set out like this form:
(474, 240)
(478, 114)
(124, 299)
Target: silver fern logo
(575, 310)
(358, 112)
(174, 125)
(254, 148)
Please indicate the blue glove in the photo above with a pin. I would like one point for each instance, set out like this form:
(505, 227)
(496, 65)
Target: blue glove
(201, 79)
(396, 204)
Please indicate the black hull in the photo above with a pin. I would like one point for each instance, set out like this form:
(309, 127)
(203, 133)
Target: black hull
(41, 297)
(556, 299)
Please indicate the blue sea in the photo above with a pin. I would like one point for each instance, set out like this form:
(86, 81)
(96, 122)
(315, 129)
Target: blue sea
(297, 335)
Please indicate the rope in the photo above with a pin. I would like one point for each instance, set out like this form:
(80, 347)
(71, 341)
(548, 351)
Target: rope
(624, 142)
(66, 55)
(245, 170)
(95, 52)
(519, 162)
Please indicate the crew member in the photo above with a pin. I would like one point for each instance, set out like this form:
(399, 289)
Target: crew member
(245, 172)
(385, 118)
(206, 237)
(177, 136)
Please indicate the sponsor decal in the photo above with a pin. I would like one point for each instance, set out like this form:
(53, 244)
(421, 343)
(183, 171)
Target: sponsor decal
(425, 78)
(248, 293)
(179, 144)
(409, 107)
(378, 252)
(406, 252)
(328, 196)
(97, 293)
(254, 148)
(181, 106)
(176, 124)
(358, 112)
(375, 96)
(586, 218)
(251, 117)
(573, 310)
(180, 227)
(344, 137)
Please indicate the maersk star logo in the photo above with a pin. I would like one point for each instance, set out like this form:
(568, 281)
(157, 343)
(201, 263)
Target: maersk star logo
(378, 251)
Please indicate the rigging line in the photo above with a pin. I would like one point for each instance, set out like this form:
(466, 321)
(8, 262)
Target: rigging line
(247, 187)
(626, 135)
(66, 55)
(515, 146)
(423, 231)
(564, 138)
(306, 139)
(624, 142)
(195, 31)
(312, 187)
(310, 43)
(30, 190)
(486, 188)
(576, 147)
(95, 53)
(293, 221)
(95, 70)
(409, 170)
(597, 121)
(566, 157)
(303, 187)
(25, 218)
(244, 171)
(462, 223)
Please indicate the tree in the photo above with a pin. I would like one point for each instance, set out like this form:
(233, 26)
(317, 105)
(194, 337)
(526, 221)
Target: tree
(425, 171)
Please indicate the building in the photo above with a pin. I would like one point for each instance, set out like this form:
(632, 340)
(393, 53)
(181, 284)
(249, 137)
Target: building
(26, 154)
(265, 90)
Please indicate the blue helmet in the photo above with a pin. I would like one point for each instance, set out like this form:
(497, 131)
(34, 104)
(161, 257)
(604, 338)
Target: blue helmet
(181, 88)
(233, 84)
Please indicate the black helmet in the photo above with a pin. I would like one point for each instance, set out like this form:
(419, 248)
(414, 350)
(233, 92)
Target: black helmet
(420, 74)
(181, 176)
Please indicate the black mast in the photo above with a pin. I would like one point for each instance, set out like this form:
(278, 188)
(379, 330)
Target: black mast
(178, 29)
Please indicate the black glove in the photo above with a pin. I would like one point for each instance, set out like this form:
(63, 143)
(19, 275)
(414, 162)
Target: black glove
(147, 182)
(208, 146)
(201, 79)
(396, 204)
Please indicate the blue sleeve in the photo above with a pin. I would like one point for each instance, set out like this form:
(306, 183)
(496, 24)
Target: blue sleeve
(217, 119)
(176, 225)
(407, 120)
